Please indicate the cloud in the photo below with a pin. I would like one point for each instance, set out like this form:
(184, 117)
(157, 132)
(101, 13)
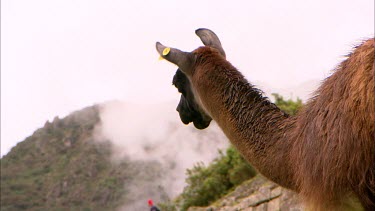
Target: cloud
(154, 133)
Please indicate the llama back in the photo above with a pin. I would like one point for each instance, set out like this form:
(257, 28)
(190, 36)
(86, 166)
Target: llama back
(334, 152)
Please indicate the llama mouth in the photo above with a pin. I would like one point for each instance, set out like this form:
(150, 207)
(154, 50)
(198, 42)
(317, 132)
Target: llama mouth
(188, 114)
(201, 124)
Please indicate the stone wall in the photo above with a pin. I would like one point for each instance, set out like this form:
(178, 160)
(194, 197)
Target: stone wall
(258, 194)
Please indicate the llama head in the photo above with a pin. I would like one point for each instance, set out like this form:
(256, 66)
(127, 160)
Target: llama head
(188, 107)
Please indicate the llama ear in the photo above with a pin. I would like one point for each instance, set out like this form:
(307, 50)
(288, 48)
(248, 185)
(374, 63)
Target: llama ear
(183, 60)
(209, 38)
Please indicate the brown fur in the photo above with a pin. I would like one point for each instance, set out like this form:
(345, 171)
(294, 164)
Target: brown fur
(326, 152)
(335, 146)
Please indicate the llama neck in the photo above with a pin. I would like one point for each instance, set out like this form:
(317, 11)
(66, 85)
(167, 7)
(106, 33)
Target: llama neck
(254, 125)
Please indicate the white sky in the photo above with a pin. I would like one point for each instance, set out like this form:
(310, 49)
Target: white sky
(60, 56)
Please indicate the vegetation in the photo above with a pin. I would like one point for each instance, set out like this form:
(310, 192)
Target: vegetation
(206, 184)
(289, 106)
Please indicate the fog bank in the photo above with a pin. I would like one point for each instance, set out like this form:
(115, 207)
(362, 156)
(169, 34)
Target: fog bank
(154, 133)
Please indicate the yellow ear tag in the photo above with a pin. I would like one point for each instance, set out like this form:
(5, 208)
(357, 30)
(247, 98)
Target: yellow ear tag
(166, 51)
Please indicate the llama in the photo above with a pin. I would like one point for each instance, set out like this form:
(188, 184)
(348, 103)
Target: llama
(326, 152)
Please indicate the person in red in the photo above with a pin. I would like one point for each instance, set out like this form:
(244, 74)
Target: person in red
(152, 206)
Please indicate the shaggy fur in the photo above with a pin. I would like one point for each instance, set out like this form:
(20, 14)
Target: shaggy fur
(326, 152)
(334, 149)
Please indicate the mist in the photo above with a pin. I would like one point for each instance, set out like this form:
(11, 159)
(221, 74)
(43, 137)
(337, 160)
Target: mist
(154, 133)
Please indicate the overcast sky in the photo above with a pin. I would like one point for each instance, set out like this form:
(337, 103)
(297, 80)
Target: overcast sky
(61, 56)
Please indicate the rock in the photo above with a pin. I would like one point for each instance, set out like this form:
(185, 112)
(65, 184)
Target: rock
(257, 194)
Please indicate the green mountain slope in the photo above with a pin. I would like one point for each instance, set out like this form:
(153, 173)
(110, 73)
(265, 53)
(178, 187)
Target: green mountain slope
(60, 167)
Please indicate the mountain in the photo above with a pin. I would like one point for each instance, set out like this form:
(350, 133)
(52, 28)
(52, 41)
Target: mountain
(113, 156)
(61, 167)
